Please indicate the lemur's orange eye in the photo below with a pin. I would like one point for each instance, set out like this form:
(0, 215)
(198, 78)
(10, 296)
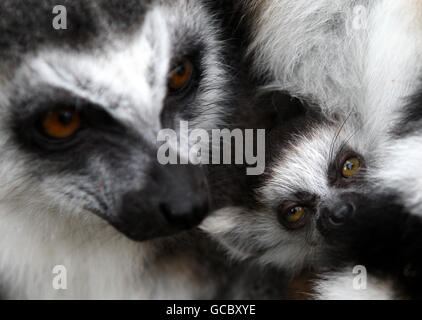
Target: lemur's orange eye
(293, 217)
(295, 214)
(181, 75)
(350, 167)
(61, 124)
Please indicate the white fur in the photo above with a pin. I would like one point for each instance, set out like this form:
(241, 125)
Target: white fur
(401, 172)
(304, 164)
(392, 64)
(339, 286)
(320, 51)
(311, 50)
(315, 50)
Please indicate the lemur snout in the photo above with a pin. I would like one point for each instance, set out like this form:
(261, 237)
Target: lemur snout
(185, 202)
(337, 212)
(338, 215)
(176, 199)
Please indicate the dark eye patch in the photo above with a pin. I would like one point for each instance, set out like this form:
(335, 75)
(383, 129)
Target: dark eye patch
(178, 103)
(306, 198)
(194, 56)
(101, 139)
(302, 198)
(27, 118)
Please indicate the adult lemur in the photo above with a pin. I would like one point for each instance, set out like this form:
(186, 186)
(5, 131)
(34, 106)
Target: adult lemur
(81, 106)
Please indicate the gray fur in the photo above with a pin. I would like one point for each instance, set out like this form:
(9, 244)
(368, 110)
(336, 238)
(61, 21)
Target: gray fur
(316, 51)
(363, 72)
(115, 55)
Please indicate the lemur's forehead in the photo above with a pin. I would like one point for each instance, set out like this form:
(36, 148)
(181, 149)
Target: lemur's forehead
(303, 165)
(127, 74)
(27, 26)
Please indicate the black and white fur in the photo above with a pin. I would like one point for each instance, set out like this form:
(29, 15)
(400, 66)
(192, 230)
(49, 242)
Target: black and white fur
(289, 43)
(303, 167)
(335, 52)
(369, 65)
(385, 233)
(58, 205)
(363, 68)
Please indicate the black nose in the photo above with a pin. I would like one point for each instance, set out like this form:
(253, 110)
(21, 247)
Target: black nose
(335, 213)
(174, 198)
(183, 201)
(339, 214)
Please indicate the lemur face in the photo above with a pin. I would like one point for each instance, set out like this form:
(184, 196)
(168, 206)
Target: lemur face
(314, 175)
(383, 232)
(81, 109)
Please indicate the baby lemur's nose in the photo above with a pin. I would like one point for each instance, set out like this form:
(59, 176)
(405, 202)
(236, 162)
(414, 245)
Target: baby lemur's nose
(339, 214)
(335, 213)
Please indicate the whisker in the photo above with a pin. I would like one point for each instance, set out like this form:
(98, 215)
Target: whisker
(331, 152)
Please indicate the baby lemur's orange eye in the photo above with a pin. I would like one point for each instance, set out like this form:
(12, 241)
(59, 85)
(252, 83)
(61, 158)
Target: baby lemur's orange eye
(350, 167)
(61, 124)
(181, 75)
(295, 214)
